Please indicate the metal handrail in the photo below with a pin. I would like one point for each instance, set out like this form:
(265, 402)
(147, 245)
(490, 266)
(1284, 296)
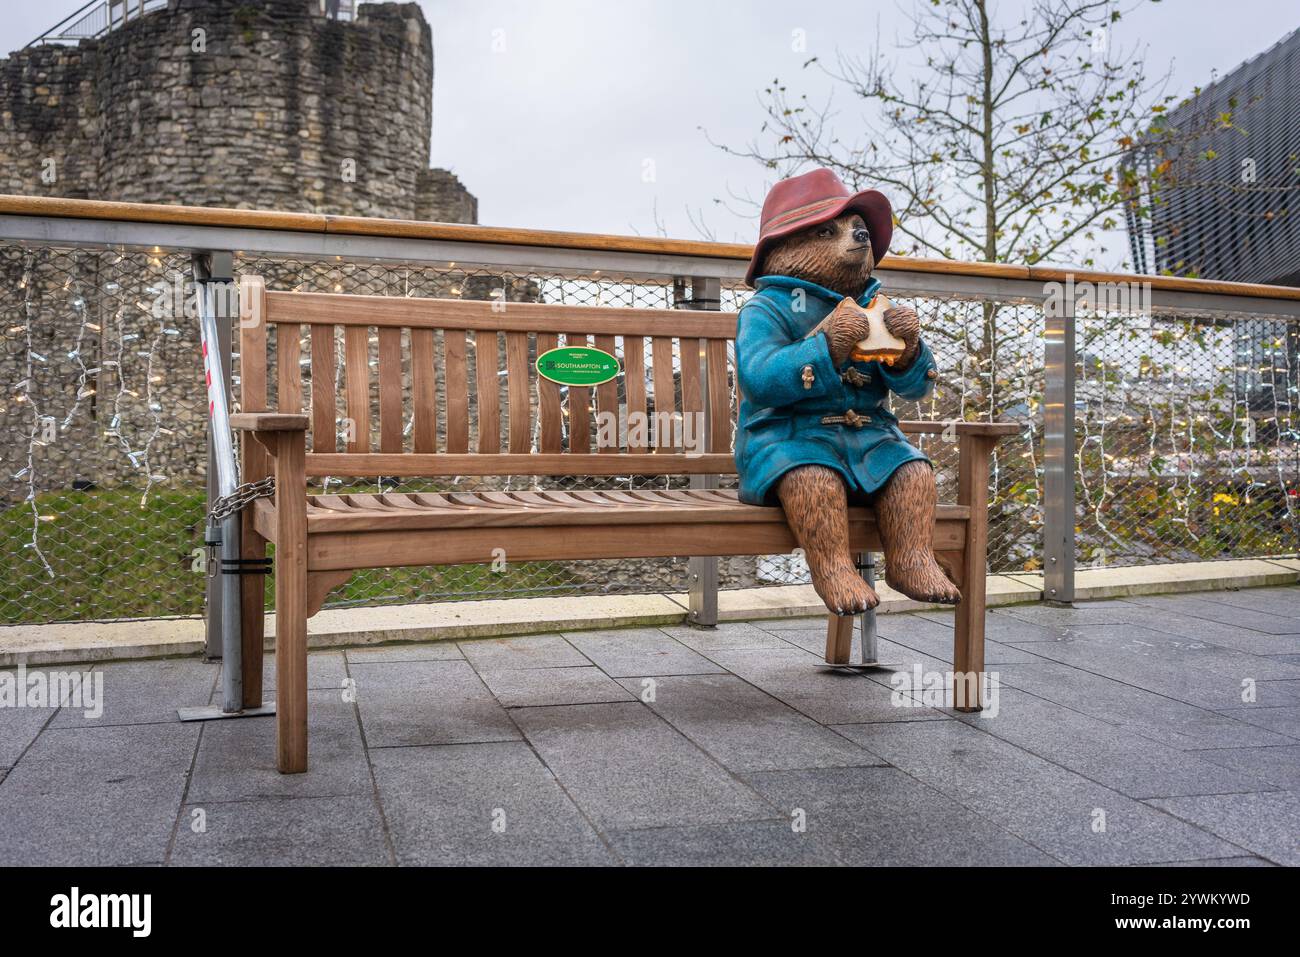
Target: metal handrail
(95, 19)
(314, 235)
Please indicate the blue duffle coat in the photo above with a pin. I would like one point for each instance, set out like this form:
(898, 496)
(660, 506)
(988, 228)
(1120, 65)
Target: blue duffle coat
(780, 424)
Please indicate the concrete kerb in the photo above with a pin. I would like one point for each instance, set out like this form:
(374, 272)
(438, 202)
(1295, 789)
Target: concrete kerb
(448, 621)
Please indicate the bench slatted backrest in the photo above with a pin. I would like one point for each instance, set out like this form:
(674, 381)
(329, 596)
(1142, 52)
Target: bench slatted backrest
(441, 361)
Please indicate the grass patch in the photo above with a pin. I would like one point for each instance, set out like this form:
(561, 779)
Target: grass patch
(115, 558)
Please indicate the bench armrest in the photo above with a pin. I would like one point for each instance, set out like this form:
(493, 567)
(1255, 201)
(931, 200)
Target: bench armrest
(269, 422)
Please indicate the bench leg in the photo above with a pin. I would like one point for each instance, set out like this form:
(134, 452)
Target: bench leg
(968, 646)
(839, 638)
(291, 605)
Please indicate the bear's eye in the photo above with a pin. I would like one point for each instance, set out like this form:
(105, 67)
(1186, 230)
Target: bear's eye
(825, 232)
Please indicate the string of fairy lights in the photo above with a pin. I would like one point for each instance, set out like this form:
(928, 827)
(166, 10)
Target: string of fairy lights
(87, 379)
(27, 396)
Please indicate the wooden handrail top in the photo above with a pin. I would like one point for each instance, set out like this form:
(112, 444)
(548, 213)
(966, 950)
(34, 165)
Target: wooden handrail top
(60, 208)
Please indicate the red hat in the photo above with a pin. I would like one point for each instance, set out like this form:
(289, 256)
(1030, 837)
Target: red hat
(815, 197)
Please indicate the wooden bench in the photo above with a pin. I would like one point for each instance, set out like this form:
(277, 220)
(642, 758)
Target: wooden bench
(321, 539)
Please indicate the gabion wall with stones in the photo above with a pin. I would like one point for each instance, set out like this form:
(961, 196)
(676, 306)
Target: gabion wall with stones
(263, 105)
(1188, 434)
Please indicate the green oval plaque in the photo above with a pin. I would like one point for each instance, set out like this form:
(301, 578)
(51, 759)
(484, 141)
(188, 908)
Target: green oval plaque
(577, 365)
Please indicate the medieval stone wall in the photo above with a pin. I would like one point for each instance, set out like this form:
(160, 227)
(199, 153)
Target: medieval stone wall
(227, 103)
(206, 103)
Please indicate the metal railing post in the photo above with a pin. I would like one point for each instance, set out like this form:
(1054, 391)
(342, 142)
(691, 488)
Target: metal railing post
(1058, 447)
(706, 293)
(221, 266)
(223, 613)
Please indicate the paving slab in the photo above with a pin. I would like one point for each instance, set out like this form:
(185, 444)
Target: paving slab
(96, 796)
(145, 692)
(481, 805)
(743, 844)
(728, 636)
(936, 640)
(1221, 862)
(1197, 607)
(1186, 669)
(325, 671)
(1114, 756)
(426, 651)
(637, 652)
(1266, 824)
(1276, 601)
(527, 651)
(829, 697)
(1187, 624)
(1285, 720)
(1002, 626)
(236, 758)
(627, 768)
(745, 729)
(427, 702)
(1050, 807)
(1148, 713)
(901, 657)
(18, 729)
(1085, 613)
(282, 832)
(1278, 693)
(879, 816)
(536, 687)
(1280, 766)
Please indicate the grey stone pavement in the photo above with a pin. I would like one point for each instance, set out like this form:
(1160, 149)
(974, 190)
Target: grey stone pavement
(1147, 730)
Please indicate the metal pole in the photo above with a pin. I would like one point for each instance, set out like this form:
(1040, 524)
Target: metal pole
(867, 620)
(1059, 447)
(211, 269)
(213, 616)
(706, 293)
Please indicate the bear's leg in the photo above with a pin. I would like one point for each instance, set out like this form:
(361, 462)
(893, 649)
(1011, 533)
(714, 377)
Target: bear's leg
(905, 514)
(816, 506)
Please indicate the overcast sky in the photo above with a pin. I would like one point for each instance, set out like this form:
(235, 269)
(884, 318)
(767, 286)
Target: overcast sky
(550, 110)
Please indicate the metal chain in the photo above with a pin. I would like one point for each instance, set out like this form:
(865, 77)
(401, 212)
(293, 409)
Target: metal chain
(228, 505)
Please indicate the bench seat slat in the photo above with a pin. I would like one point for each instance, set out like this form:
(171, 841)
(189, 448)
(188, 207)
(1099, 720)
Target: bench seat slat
(358, 512)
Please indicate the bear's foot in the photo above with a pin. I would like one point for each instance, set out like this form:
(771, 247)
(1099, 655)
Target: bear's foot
(921, 579)
(844, 591)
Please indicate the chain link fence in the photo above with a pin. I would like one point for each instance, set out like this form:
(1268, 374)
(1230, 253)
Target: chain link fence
(1187, 433)
(1188, 437)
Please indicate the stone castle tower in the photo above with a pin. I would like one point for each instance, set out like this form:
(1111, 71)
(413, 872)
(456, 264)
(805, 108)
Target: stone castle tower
(268, 105)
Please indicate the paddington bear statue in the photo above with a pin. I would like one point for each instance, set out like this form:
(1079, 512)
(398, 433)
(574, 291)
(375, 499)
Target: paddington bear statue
(815, 431)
